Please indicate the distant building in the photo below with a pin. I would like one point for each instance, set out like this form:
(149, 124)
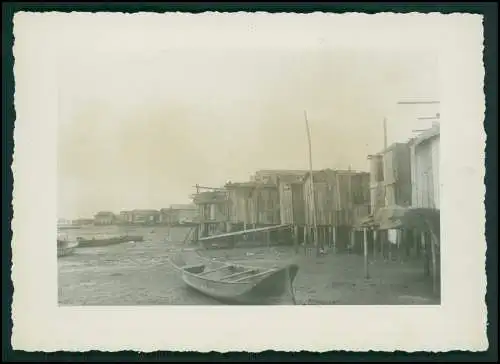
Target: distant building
(83, 222)
(186, 213)
(104, 218)
(63, 222)
(179, 214)
(126, 217)
(145, 217)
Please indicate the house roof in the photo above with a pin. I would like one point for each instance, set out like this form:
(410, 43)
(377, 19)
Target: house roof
(209, 197)
(282, 171)
(249, 184)
(183, 207)
(427, 135)
(147, 211)
(104, 213)
(328, 175)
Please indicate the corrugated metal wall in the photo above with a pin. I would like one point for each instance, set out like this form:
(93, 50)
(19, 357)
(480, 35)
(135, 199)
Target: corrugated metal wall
(397, 175)
(435, 171)
(340, 200)
(425, 176)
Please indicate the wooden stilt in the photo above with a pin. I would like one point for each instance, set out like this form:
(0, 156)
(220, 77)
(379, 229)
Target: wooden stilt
(306, 232)
(329, 238)
(382, 238)
(365, 252)
(434, 265)
(390, 246)
(398, 245)
(296, 238)
(334, 239)
(426, 255)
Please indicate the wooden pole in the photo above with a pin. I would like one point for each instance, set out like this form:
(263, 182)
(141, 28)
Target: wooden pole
(365, 251)
(434, 270)
(426, 254)
(313, 205)
(305, 237)
(353, 240)
(398, 244)
(296, 238)
(334, 237)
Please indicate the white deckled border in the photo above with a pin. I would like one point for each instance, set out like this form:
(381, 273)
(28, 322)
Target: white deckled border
(458, 324)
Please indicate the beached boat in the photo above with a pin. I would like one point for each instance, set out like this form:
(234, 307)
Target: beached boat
(105, 241)
(69, 227)
(64, 248)
(238, 283)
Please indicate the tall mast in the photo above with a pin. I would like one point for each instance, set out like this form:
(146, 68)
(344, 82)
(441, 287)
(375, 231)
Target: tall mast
(312, 199)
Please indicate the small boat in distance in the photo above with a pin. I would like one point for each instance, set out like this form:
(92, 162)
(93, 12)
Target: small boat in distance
(105, 241)
(64, 247)
(238, 283)
(68, 227)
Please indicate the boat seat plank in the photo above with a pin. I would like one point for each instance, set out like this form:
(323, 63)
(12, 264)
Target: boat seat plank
(191, 266)
(255, 275)
(214, 270)
(239, 274)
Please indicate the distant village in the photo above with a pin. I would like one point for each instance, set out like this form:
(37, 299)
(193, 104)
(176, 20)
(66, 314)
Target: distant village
(403, 174)
(173, 215)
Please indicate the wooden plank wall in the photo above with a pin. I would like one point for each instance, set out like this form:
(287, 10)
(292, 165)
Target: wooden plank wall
(267, 205)
(286, 203)
(299, 212)
(340, 198)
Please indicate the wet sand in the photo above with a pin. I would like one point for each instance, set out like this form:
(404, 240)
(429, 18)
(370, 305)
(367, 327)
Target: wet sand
(139, 274)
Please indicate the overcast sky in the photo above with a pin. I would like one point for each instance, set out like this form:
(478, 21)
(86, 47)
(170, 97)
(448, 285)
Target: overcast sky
(139, 128)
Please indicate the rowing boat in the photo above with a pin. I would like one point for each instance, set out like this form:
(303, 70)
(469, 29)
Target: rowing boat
(64, 248)
(238, 283)
(99, 242)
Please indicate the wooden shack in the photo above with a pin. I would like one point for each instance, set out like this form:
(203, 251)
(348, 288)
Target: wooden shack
(377, 185)
(424, 151)
(241, 204)
(341, 199)
(213, 212)
(253, 204)
(291, 195)
(397, 175)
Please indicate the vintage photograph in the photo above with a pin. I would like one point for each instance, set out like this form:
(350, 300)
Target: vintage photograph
(246, 175)
(235, 181)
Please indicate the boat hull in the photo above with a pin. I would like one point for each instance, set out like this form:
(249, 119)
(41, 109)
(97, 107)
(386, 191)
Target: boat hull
(269, 288)
(65, 251)
(92, 243)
